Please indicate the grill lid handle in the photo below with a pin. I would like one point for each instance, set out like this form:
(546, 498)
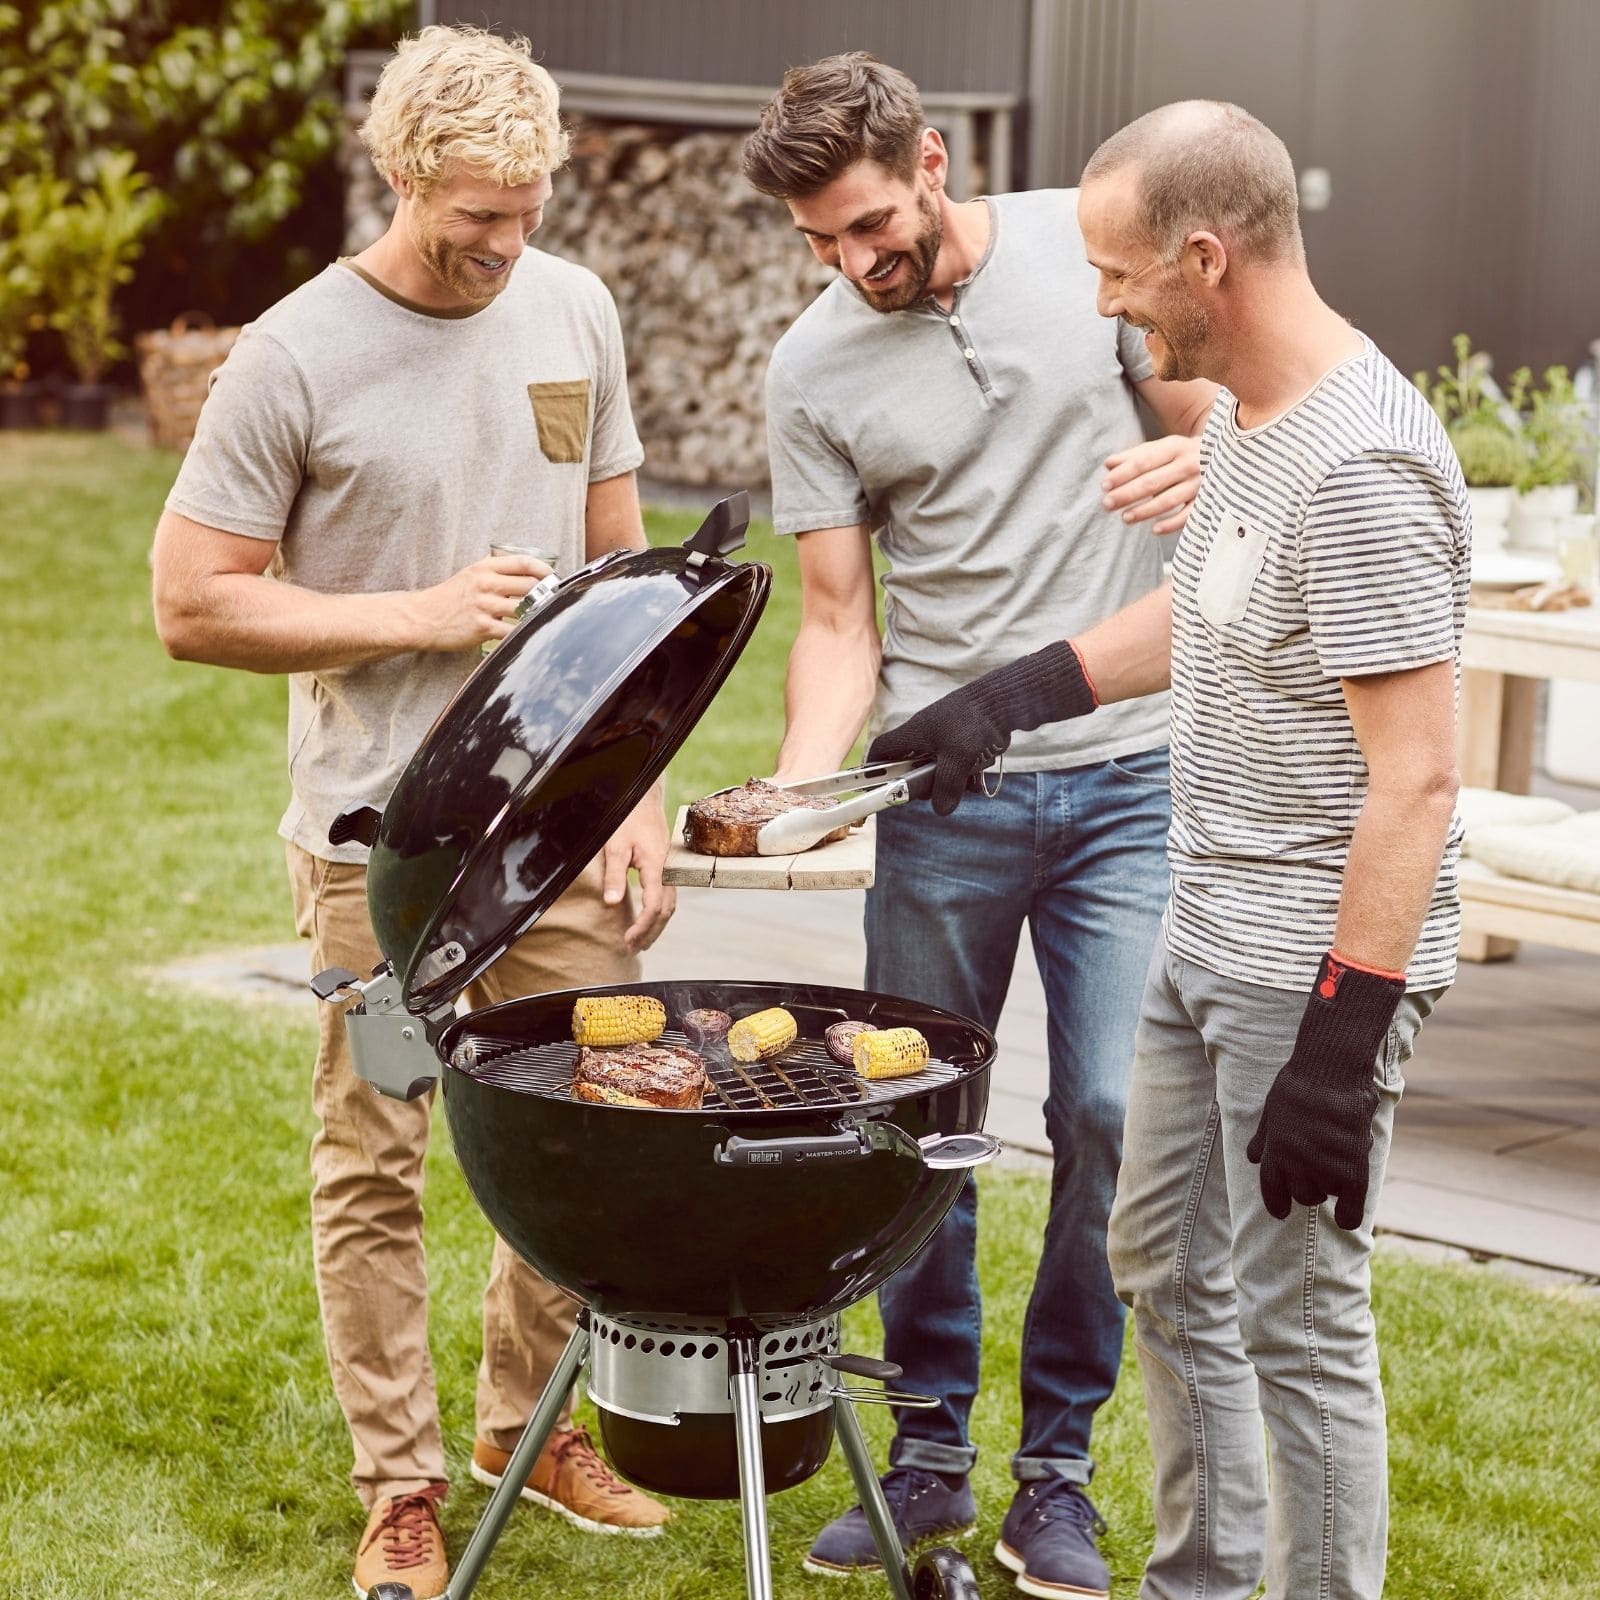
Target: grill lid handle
(722, 532)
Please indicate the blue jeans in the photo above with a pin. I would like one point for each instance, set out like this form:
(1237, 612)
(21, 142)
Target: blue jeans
(1080, 855)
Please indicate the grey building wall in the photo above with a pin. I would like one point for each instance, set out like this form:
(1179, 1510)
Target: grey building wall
(943, 44)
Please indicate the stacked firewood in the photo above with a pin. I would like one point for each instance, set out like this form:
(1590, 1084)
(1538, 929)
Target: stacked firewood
(175, 367)
(707, 274)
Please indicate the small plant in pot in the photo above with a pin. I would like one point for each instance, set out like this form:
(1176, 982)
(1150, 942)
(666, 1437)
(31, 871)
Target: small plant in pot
(1483, 434)
(24, 204)
(1560, 441)
(91, 243)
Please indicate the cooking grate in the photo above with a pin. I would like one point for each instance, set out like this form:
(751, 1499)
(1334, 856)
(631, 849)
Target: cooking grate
(805, 1075)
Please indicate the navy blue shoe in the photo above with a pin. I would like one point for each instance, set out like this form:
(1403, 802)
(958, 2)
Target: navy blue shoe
(1048, 1540)
(922, 1506)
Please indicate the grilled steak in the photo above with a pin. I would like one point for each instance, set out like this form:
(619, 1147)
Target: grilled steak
(664, 1075)
(726, 824)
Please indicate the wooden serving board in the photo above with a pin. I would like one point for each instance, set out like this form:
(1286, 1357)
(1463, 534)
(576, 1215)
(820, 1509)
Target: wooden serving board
(846, 864)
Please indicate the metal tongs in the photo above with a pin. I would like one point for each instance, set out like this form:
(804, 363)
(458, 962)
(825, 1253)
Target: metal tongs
(869, 789)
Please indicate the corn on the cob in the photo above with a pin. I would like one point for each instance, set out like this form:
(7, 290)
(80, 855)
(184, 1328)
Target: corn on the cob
(762, 1035)
(891, 1053)
(609, 1019)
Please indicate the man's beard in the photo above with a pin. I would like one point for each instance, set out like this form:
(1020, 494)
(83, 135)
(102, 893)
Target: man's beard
(920, 258)
(1185, 331)
(448, 263)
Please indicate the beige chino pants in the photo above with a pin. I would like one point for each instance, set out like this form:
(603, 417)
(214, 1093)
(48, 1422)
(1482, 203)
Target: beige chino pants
(366, 1196)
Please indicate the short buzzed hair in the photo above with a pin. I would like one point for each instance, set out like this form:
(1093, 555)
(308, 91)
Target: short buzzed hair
(1206, 164)
(827, 117)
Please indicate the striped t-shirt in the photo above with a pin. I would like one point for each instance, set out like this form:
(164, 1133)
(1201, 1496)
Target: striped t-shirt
(1328, 543)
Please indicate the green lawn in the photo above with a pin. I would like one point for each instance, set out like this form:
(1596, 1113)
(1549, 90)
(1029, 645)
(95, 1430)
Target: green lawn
(168, 1423)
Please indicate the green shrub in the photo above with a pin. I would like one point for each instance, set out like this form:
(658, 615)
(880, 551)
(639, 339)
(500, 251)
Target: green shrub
(89, 247)
(234, 109)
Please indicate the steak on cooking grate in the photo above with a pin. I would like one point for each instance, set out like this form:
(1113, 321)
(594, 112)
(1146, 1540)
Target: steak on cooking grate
(726, 824)
(664, 1075)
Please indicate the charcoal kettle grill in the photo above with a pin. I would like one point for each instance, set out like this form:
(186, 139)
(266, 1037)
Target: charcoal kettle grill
(711, 1249)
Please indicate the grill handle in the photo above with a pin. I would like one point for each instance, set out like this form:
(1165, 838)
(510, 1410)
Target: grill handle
(940, 1152)
(793, 1151)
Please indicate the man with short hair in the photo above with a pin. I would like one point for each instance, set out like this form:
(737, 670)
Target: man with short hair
(954, 394)
(365, 441)
(1311, 636)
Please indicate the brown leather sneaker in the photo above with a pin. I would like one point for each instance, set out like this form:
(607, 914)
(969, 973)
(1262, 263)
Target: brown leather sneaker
(403, 1545)
(571, 1478)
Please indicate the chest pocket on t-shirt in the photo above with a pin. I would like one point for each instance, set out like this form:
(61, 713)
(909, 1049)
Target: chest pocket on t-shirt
(1233, 564)
(561, 414)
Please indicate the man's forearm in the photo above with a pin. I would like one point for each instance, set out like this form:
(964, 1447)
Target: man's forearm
(260, 624)
(1392, 868)
(828, 693)
(1130, 653)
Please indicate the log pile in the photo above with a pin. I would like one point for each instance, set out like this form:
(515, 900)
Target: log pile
(175, 367)
(706, 273)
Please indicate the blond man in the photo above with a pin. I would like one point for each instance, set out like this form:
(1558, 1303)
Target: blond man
(367, 438)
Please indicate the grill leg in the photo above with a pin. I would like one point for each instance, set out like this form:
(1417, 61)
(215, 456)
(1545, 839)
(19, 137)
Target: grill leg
(872, 1501)
(501, 1503)
(745, 1389)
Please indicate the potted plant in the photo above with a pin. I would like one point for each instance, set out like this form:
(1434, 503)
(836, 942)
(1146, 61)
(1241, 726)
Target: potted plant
(24, 204)
(1487, 442)
(91, 244)
(1560, 451)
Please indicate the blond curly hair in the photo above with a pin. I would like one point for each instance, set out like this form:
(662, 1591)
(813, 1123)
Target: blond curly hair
(462, 97)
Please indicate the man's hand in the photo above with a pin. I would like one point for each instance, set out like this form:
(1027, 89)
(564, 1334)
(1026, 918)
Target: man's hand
(475, 604)
(641, 843)
(1154, 482)
(1315, 1133)
(966, 729)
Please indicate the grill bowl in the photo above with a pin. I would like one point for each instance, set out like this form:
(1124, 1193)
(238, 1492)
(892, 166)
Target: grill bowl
(629, 1209)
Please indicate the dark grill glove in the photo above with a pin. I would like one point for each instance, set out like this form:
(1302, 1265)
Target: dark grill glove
(965, 730)
(1315, 1132)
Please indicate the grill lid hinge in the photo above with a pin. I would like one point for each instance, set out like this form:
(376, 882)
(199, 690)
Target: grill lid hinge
(390, 1047)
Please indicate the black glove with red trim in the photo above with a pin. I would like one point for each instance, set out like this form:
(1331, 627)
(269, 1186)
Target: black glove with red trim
(1315, 1133)
(965, 730)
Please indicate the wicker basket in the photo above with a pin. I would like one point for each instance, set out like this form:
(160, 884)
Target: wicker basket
(175, 367)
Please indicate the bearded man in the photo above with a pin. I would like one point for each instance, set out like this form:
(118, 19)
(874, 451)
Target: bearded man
(955, 395)
(364, 442)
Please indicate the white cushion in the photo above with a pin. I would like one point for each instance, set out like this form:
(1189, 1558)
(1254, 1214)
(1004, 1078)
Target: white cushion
(1565, 853)
(1489, 808)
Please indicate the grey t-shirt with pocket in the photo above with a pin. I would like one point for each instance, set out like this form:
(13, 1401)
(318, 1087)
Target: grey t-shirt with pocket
(973, 442)
(384, 446)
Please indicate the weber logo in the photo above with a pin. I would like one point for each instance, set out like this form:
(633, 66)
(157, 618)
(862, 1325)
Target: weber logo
(764, 1158)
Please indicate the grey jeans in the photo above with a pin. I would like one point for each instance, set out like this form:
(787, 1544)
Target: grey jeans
(1240, 1319)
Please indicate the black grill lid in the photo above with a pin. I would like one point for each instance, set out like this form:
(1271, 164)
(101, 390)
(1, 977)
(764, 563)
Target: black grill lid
(547, 747)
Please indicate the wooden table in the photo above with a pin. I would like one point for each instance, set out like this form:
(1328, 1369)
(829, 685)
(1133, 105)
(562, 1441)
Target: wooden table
(1504, 654)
